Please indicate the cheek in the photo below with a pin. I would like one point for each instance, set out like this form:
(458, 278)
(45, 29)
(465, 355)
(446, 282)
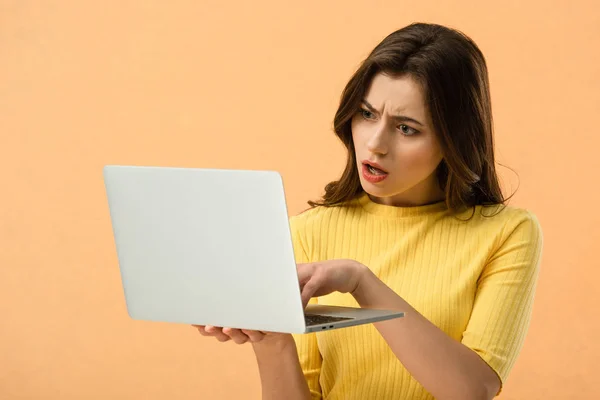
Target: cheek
(419, 156)
(358, 135)
(355, 128)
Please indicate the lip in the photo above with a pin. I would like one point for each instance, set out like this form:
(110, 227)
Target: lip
(369, 177)
(374, 164)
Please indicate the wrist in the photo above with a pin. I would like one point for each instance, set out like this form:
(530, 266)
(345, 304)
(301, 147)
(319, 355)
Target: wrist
(363, 274)
(277, 343)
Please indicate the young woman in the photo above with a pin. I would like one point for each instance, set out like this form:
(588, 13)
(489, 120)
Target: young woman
(417, 222)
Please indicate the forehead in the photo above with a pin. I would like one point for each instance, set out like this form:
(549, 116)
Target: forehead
(396, 94)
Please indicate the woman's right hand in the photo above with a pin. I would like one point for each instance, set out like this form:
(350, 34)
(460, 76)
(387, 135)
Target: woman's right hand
(240, 336)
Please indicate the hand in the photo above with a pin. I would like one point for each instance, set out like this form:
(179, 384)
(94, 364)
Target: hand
(316, 279)
(321, 278)
(239, 336)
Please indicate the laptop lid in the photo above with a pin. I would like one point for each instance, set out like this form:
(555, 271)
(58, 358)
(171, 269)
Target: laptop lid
(205, 246)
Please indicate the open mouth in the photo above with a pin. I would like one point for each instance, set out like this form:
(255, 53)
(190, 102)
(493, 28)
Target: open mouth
(373, 174)
(375, 171)
(372, 169)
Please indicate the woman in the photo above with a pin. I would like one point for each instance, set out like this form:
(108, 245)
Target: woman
(417, 222)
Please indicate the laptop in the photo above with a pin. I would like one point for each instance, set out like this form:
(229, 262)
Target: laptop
(213, 247)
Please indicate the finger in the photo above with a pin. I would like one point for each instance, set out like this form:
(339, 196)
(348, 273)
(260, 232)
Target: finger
(202, 330)
(223, 338)
(308, 291)
(236, 335)
(217, 333)
(305, 271)
(254, 336)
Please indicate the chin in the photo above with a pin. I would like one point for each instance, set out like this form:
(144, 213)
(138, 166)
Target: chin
(379, 191)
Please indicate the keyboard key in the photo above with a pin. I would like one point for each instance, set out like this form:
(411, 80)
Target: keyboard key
(314, 319)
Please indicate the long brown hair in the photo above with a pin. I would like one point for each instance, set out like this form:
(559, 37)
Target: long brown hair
(453, 73)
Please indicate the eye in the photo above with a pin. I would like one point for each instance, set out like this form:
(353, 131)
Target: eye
(366, 114)
(407, 130)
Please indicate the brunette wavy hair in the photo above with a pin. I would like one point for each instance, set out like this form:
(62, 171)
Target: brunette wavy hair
(452, 72)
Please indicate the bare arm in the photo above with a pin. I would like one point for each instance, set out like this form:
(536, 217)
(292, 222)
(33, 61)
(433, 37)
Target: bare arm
(280, 373)
(445, 367)
(276, 354)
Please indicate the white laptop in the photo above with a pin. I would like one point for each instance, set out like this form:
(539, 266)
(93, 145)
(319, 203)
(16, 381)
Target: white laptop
(213, 247)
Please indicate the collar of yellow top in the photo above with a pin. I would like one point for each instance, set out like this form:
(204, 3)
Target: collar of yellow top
(393, 211)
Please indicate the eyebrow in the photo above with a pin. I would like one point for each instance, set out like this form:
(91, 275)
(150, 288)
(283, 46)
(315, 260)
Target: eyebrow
(401, 118)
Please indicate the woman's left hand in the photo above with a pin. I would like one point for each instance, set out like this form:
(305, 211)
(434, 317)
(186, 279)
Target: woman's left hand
(323, 277)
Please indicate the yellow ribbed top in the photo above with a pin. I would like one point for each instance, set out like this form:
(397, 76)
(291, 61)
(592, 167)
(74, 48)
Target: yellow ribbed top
(473, 278)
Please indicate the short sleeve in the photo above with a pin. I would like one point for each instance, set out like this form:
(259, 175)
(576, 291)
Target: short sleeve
(306, 344)
(504, 298)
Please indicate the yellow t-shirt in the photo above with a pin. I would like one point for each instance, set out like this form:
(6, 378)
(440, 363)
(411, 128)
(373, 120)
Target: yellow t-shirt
(474, 279)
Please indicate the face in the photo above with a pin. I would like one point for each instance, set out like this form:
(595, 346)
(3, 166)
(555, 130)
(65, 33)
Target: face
(393, 130)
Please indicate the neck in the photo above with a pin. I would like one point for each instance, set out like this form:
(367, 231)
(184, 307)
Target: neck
(424, 193)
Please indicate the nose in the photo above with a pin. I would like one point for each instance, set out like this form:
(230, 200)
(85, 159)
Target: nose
(377, 142)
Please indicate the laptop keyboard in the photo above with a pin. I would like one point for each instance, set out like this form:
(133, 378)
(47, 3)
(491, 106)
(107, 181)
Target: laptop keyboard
(314, 319)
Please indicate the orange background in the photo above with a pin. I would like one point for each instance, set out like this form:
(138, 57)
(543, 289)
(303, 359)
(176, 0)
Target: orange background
(255, 85)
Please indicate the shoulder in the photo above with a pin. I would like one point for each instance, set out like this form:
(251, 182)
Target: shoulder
(498, 229)
(317, 216)
(308, 219)
(300, 221)
(314, 223)
(501, 220)
(515, 233)
(515, 220)
(523, 230)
